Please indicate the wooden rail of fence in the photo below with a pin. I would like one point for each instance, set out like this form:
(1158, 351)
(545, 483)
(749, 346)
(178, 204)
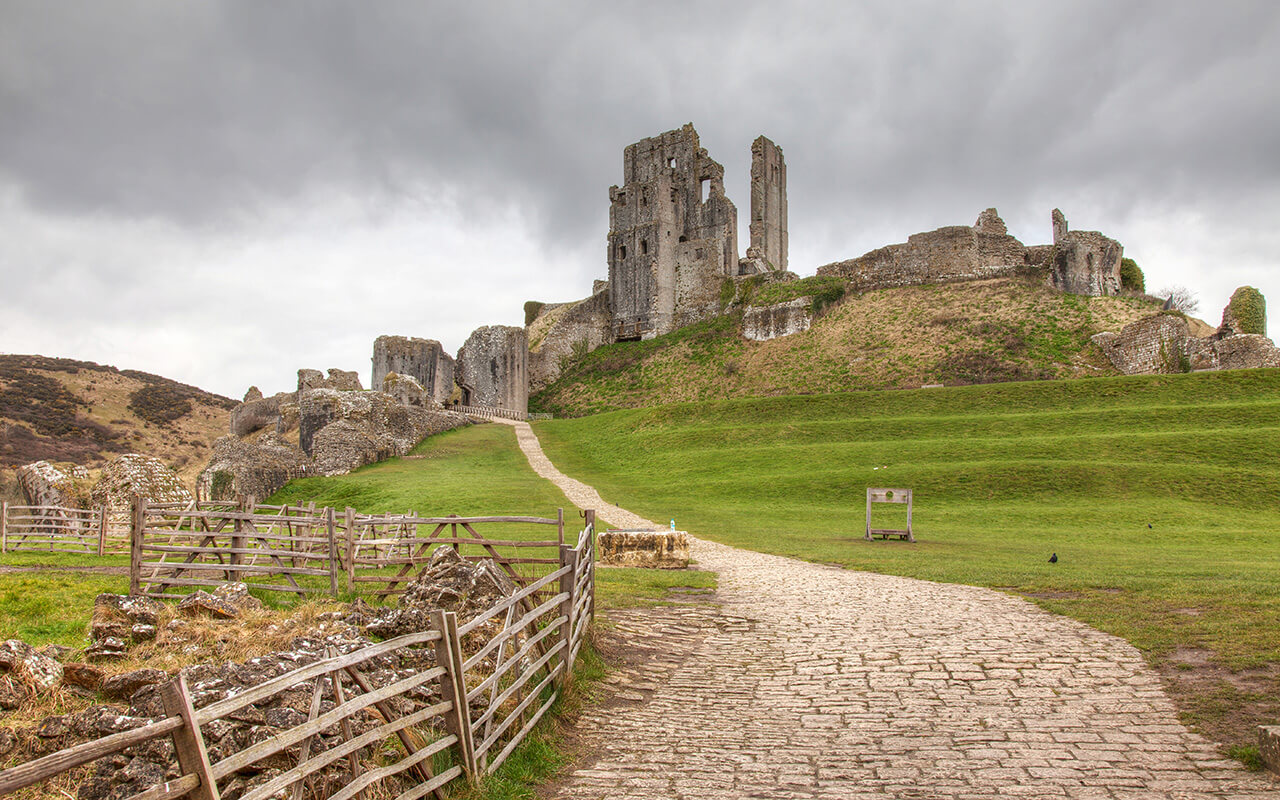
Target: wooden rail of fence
(372, 544)
(483, 705)
(57, 529)
(207, 544)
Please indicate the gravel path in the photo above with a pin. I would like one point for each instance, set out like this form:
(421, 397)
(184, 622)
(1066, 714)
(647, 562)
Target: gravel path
(813, 681)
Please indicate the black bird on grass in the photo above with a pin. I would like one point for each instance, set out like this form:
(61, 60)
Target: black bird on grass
(1053, 559)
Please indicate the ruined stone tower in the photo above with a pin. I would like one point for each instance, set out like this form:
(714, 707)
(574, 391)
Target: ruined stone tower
(493, 368)
(673, 236)
(422, 359)
(768, 204)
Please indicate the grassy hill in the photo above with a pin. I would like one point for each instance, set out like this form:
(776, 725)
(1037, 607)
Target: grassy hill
(1160, 494)
(62, 410)
(1006, 329)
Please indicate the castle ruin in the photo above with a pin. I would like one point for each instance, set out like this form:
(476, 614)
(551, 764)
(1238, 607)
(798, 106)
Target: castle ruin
(673, 233)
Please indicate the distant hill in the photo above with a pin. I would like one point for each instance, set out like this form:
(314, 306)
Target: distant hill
(62, 410)
(988, 331)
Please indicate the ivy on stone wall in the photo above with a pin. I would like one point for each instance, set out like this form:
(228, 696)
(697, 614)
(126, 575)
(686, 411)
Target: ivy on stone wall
(1249, 310)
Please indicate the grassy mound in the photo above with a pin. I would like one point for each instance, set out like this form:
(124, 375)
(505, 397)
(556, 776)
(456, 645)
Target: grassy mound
(1007, 329)
(1160, 494)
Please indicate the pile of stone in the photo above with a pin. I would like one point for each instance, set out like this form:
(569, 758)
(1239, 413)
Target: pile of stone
(119, 622)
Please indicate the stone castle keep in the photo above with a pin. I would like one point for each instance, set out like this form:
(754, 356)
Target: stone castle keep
(673, 234)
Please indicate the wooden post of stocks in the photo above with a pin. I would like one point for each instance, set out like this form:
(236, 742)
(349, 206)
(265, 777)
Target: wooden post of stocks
(453, 686)
(568, 558)
(102, 530)
(135, 543)
(331, 525)
(187, 741)
(867, 536)
(350, 517)
(590, 515)
(4, 527)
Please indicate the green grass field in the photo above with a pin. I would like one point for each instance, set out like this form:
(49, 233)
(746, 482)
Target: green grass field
(1160, 494)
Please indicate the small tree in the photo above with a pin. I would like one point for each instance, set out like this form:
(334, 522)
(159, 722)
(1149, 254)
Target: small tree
(1181, 299)
(1131, 276)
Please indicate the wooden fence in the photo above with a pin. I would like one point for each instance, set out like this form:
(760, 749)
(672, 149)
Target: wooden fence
(58, 529)
(210, 543)
(388, 549)
(489, 411)
(458, 719)
(309, 549)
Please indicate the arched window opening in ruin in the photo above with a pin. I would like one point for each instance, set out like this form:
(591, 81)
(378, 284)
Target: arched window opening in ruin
(644, 199)
(704, 185)
(684, 238)
(644, 247)
(671, 162)
(622, 251)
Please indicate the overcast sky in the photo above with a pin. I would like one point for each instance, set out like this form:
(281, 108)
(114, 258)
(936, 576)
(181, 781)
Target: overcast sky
(223, 192)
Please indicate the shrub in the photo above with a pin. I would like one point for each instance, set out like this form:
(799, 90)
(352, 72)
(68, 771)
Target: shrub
(1249, 310)
(531, 311)
(159, 403)
(1131, 276)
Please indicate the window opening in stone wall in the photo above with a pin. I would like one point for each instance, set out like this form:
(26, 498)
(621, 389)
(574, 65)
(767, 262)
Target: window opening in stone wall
(644, 247)
(644, 199)
(622, 197)
(684, 238)
(674, 198)
(671, 162)
(622, 251)
(704, 186)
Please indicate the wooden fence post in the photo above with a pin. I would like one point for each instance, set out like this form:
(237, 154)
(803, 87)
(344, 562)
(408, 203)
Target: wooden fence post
(568, 558)
(4, 527)
(351, 549)
(135, 543)
(102, 530)
(331, 525)
(560, 526)
(590, 515)
(453, 686)
(187, 741)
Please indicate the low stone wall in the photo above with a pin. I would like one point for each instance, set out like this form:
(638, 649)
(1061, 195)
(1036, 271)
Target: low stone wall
(651, 549)
(1269, 746)
(761, 323)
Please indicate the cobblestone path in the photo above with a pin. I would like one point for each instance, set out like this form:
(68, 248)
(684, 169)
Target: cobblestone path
(812, 681)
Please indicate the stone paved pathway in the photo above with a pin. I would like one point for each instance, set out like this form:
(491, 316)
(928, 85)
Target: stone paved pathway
(818, 682)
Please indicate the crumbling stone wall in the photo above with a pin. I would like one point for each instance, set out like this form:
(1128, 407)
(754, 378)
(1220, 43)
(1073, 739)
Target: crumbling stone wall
(955, 253)
(423, 359)
(562, 331)
(760, 323)
(1081, 262)
(672, 231)
(339, 379)
(44, 484)
(134, 473)
(1164, 343)
(1084, 262)
(493, 368)
(768, 204)
(1156, 344)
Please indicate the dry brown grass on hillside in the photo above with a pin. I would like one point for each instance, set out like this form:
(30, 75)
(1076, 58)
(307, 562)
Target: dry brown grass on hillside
(978, 332)
(71, 411)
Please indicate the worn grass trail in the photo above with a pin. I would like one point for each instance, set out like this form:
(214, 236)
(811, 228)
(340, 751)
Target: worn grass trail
(814, 681)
